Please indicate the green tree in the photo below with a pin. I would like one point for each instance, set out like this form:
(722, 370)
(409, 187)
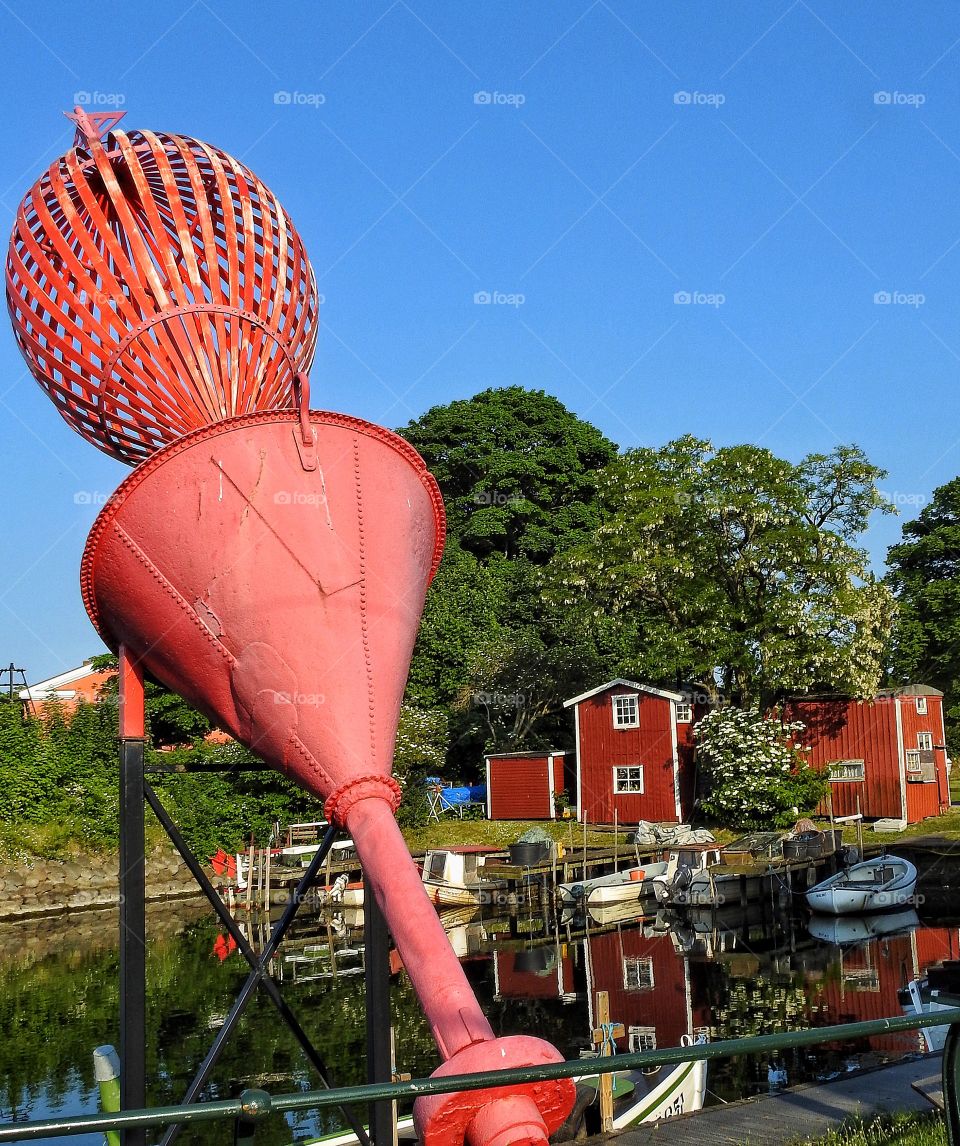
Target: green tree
(517, 471)
(752, 770)
(741, 570)
(925, 576)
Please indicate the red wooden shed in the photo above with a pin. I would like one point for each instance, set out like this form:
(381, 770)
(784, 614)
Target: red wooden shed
(522, 785)
(634, 753)
(885, 757)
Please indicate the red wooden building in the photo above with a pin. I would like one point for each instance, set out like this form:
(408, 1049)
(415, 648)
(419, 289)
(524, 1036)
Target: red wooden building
(634, 753)
(522, 785)
(885, 757)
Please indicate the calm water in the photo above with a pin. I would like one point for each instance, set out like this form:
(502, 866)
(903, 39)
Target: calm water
(736, 974)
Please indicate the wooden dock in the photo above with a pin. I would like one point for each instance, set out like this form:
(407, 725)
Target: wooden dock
(790, 1116)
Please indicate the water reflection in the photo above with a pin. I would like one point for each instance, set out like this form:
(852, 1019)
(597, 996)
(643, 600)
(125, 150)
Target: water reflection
(731, 972)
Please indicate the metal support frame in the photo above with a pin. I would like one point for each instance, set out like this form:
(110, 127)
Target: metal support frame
(258, 967)
(376, 946)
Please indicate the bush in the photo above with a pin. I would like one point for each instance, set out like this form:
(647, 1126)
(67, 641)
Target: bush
(754, 771)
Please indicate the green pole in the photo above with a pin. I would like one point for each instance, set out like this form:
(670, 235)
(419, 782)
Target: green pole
(106, 1070)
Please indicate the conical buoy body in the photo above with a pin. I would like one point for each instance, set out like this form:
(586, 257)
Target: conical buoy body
(281, 601)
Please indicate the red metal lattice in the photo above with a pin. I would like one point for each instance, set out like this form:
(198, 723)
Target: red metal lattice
(155, 286)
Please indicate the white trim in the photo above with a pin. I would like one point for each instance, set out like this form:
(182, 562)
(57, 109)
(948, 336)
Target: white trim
(489, 792)
(676, 759)
(688, 705)
(925, 747)
(902, 761)
(550, 803)
(627, 684)
(576, 736)
(921, 700)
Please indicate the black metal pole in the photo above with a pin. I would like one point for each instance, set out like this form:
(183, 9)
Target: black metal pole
(376, 961)
(133, 948)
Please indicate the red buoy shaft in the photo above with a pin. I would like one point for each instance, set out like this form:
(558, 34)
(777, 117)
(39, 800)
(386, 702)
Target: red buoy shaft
(388, 871)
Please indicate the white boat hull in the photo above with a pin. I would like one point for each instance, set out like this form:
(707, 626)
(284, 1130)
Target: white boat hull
(629, 885)
(867, 887)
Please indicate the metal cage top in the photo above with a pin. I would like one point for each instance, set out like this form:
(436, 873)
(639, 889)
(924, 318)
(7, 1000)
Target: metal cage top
(155, 285)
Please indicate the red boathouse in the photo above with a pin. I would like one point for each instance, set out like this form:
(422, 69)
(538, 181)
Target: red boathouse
(885, 757)
(634, 753)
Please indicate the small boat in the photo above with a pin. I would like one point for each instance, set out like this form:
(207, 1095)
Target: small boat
(916, 999)
(872, 885)
(454, 877)
(841, 930)
(629, 885)
(667, 1092)
(688, 878)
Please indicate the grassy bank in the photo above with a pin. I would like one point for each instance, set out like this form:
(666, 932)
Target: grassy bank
(927, 1129)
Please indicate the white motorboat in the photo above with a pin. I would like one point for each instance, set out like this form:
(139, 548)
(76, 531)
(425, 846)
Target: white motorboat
(640, 1098)
(454, 878)
(872, 885)
(629, 885)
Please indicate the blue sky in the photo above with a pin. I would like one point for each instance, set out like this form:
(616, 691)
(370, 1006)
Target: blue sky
(737, 220)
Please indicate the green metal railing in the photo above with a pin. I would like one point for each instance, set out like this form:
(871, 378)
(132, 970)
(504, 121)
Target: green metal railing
(254, 1105)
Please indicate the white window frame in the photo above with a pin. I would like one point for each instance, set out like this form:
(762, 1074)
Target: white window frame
(684, 712)
(913, 760)
(839, 771)
(642, 1039)
(618, 718)
(628, 780)
(925, 741)
(921, 706)
(638, 973)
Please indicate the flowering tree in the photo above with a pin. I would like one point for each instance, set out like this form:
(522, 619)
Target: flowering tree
(755, 773)
(742, 570)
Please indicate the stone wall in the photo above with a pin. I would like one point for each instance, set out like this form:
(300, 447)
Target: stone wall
(42, 887)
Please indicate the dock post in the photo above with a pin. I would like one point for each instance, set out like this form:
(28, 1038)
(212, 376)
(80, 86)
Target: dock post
(604, 1035)
(376, 942)
(133, 948)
